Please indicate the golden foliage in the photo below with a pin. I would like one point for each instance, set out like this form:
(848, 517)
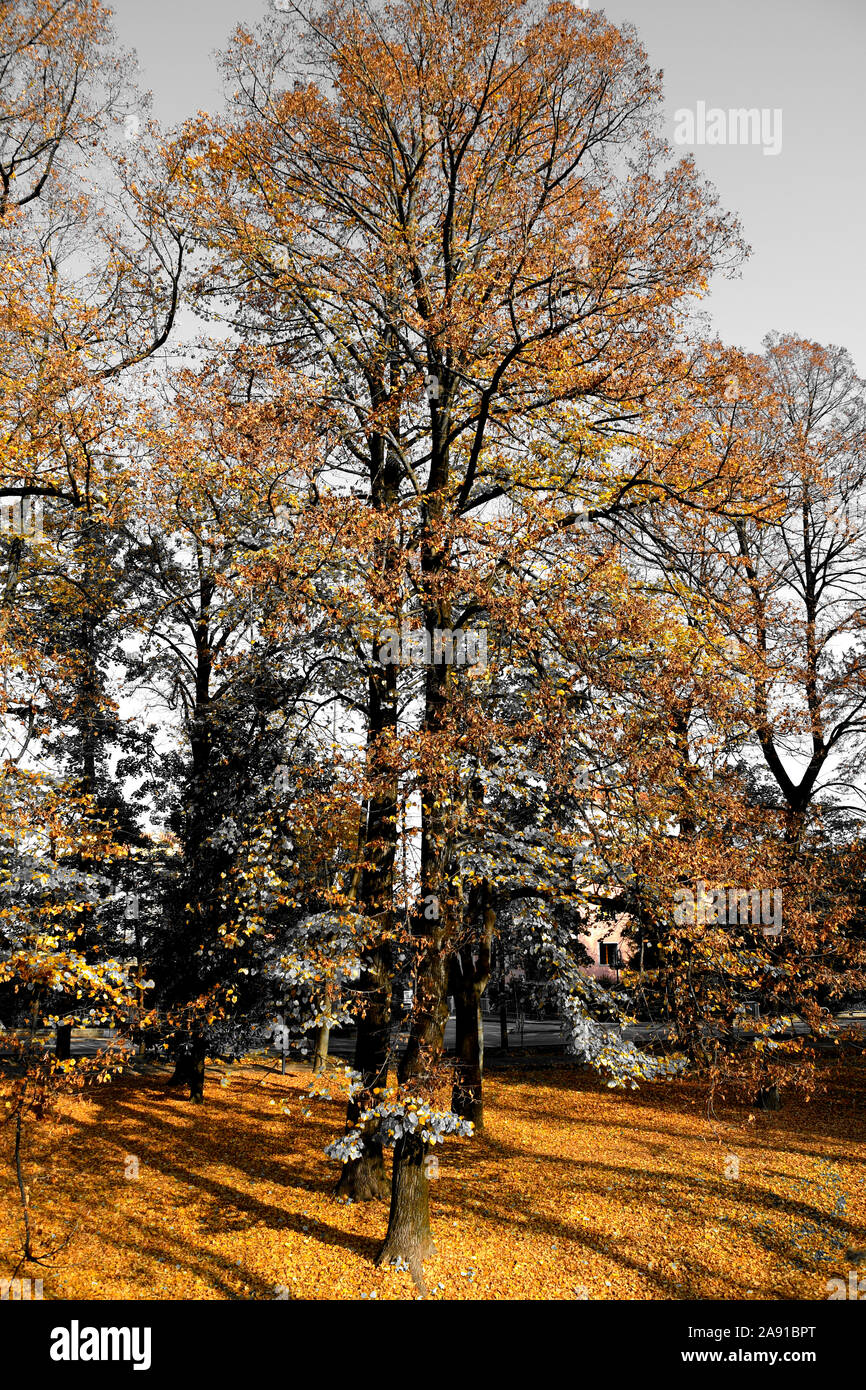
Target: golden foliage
(570, 1189)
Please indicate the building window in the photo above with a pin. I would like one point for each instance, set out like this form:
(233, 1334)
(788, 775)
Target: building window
(608, 954)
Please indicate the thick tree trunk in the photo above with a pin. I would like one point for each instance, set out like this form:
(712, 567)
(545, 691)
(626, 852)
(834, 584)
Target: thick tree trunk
(189, 1057)
(409, 1237)
(182, 1074)
(63, 1042)
(365, 1179)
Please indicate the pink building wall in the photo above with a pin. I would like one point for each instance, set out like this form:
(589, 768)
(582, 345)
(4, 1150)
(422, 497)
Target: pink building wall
(610, 931)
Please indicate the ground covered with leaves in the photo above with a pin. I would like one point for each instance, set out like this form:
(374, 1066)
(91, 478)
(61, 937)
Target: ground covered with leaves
(573, 1191)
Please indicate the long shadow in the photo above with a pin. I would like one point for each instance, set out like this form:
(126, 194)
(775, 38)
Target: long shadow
(152, 1122)
(126, 1137)
(744, 1200)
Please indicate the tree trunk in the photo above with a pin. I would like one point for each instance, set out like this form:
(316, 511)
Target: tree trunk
(470, 973)
(182, 1061)
(467, 1096)
(768, 1098)
(320, 1056)
(503, 1002)
(365, 1179)
(196, 1077)
(409, 1237)
(63, 1042)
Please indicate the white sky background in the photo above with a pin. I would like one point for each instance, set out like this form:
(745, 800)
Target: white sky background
(803, 211)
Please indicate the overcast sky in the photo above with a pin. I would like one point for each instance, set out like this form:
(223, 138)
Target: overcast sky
(802, 209)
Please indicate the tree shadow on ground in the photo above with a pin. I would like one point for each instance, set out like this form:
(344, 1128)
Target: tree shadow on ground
(140, 1115)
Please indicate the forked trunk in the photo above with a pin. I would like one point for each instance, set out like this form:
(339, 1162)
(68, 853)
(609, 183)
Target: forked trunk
(63, 1042)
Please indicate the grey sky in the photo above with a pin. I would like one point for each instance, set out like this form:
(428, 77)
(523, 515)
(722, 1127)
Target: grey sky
(803, 210)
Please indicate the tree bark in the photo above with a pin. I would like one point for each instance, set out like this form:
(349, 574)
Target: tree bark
(768, 1098)
(189, 1058)
(182, 1074)
(63, 1042)
(320, 1056)
(365, 1179)
(409, 1236)
(467, 1094)
(470, 972)
(503, 1002)
(196, 1077)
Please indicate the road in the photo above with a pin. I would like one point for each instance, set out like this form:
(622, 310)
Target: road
(535, 1036)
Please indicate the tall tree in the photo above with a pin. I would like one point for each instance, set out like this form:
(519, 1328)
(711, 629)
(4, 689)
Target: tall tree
(463, 218)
